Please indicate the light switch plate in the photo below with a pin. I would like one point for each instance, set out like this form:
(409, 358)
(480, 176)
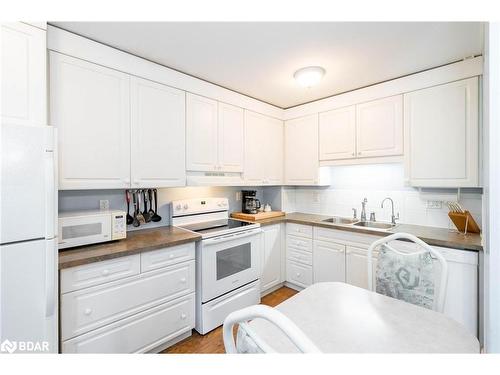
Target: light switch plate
(238, 196)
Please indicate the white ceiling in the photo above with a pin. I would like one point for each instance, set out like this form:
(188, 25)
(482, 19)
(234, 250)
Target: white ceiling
(259, 59)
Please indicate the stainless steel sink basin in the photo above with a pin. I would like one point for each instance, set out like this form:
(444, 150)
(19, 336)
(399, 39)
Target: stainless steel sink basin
(340, 220)
(374, 225)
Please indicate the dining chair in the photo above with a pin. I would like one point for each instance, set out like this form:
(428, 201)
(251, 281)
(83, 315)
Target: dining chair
(410, 277)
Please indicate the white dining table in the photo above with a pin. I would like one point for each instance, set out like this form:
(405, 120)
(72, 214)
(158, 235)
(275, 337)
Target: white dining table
(341, 318)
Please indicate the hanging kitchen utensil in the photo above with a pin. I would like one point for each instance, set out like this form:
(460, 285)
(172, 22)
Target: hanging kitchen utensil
(156, 217)
(135, 221)
(139, 215)
(145, 212)
(129, 219)
(150, 198)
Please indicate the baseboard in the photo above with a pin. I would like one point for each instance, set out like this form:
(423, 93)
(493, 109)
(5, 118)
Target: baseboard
(272, 289)
(293, 286)
(169, 343)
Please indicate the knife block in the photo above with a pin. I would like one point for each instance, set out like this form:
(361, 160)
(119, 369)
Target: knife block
(464, 222)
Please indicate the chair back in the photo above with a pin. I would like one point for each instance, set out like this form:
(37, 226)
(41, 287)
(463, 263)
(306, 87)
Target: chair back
(410, 277)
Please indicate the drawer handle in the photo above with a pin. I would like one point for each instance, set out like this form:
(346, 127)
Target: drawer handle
(183, 316)
(87, 311)
(105, 272)
(183, 280)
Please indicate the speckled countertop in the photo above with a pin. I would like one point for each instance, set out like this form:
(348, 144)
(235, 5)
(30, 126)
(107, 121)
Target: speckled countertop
(136, 242)
(157, 238)
(433, 236)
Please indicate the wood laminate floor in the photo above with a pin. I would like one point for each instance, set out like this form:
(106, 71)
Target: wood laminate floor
(212, 343)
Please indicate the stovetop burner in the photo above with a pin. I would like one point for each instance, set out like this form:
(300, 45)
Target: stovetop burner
(216, 226)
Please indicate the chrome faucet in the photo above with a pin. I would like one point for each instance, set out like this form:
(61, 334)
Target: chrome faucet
(393, 218)
(363, 209)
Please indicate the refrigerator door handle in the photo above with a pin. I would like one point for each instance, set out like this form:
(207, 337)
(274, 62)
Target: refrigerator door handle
(50, 184)
(50, 278)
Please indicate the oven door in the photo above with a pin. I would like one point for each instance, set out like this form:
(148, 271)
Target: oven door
(229, 262)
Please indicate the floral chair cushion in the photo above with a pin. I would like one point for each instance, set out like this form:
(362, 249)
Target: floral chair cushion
(410, 278)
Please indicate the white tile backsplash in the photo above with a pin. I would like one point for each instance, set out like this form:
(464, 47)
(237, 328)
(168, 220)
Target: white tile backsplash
(350, 184)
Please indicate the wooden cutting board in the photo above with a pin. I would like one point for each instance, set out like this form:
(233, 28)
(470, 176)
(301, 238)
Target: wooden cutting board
(257, 216)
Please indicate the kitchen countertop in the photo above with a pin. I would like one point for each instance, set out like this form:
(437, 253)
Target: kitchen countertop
(433, 236)
(136, 242)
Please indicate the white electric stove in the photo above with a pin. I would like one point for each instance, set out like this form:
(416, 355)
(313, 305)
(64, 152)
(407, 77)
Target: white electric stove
(227, 259)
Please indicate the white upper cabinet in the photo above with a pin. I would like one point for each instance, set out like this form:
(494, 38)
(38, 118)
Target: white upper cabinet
(379, 127)
(302, 153)
(263, 150)
(157, 134)
(201, 133)
(90, 106)
(441, 135)
(230, 143)
(214, 134)
(24, 74)
(337, 134)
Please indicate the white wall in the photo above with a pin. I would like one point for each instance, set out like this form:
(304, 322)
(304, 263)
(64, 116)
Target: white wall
(350, 184)
(70, 200)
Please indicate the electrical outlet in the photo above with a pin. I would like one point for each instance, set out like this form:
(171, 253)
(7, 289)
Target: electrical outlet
(104, 204)
(436, 205)
(316, 198)
(238, 196)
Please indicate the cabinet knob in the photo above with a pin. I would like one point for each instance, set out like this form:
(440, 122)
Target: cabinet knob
(105, 272)
(183, 280)
(298, 274)
(87, 311)
(171, 256)
(183, 316)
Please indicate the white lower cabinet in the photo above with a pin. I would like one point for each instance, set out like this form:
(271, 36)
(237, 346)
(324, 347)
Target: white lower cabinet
(270, 275)
(329, 261)
(133, 313)
(357, 267)
(341, 256)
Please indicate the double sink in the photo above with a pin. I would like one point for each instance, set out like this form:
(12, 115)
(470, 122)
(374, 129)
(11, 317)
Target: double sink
(356, 223)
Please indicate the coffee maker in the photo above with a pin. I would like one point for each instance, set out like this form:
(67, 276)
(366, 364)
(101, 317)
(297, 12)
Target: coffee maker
(249, 203)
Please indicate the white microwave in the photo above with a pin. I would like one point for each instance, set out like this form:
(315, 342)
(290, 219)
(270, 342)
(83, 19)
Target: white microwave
(87, 227)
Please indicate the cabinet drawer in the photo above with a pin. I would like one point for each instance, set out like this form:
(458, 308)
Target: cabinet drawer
(299, 230)
(153, 260)
(89, 309)
(298, 274)
(139, 333)
(299, 256)
(80, 277)
(299, 243)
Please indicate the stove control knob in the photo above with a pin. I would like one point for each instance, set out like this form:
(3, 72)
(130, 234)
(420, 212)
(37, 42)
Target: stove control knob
(185, 206)
(178, 207)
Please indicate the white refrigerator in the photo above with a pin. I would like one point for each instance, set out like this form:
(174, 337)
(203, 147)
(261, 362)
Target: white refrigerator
(28, 239)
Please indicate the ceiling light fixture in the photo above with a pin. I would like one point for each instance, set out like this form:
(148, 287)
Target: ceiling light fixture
(309, 76)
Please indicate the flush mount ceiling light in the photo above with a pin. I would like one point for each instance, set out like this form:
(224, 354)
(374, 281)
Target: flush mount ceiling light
(309, 76)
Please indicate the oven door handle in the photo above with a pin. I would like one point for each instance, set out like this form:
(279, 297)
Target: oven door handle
(229, 237)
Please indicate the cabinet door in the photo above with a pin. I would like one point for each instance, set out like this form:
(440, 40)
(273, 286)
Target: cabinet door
(301, 151)
(356, 266)
(201, 133)
(90, 106)
(24, 77)
(441, 135)
(328, 262)
(337, 134)
(271, 257)
(263, 150)
(230, 143)
(158, 134)
(380, 127)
